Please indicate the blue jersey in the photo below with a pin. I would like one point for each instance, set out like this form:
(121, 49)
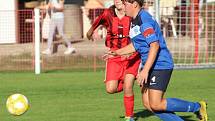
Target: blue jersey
(145, 30)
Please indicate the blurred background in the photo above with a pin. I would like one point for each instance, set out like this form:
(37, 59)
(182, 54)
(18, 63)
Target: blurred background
(187, 25)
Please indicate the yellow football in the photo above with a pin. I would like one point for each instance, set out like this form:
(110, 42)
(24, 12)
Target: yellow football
(17, 104)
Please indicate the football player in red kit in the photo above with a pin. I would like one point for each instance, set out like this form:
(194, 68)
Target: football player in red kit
(120, 70)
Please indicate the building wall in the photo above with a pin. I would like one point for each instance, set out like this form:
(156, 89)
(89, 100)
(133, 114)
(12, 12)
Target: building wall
(8, 28)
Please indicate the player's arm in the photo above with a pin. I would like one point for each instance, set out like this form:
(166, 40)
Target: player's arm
(143, 76)
(151, 38)
(154, 47)
(99, 21)
(90, 33)
(125, 50)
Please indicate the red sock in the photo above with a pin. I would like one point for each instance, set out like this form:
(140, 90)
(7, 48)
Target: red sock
(120, 86)
(129, 106)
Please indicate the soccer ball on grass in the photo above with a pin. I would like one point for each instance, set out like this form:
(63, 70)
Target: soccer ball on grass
(17, 104)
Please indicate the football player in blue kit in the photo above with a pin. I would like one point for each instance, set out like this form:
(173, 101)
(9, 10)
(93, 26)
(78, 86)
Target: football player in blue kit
(157, 66)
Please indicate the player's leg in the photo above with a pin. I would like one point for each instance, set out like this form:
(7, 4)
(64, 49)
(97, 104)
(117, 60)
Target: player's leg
(128, 85)
(158, 105)
(179, 105)
(131, 65)
(145, 98)
(176, 105)
(157, 84)
(156, 101)
(165, 116)
(114, 72)
(112, 86)
(129, 95)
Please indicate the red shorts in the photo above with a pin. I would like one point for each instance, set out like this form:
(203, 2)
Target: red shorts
(117, 67)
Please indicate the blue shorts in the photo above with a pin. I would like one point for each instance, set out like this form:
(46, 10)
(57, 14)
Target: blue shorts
(159, 79)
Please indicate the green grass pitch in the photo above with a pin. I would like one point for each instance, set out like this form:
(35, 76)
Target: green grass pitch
(81, 96)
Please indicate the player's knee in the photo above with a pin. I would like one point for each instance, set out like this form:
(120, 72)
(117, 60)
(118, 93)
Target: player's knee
(146, 105)
(128, 90)
(128, 87)
(155, 106)
(111, 90)
(111, 87)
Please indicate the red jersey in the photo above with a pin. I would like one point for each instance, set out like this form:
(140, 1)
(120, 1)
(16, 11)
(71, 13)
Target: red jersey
(117, 29)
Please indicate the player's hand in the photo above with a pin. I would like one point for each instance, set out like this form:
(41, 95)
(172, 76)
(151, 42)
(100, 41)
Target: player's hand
(142, 78)
(112, 52)
(89, 36)
(106, 56)
(126, 56)
(109, 54)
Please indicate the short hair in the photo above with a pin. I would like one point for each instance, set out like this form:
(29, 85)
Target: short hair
(140, 2)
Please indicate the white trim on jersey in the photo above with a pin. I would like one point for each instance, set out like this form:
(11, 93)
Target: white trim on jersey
(134, 31)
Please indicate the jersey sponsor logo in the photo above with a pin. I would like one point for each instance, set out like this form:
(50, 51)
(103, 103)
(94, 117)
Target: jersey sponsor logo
(148, 32)
(153, 82)
(134, 31)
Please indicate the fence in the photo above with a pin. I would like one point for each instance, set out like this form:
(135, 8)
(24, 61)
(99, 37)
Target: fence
(193, 45)
(16, 37)
(188, 29)
(20, 54)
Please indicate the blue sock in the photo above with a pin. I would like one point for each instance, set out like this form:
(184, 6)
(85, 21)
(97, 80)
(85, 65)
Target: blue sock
(178, 105)
(166, 116)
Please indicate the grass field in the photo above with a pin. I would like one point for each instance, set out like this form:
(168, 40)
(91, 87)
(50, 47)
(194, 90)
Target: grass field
(80, 96)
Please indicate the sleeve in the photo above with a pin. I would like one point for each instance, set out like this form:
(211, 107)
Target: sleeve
(148, 33)
(100, 20)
